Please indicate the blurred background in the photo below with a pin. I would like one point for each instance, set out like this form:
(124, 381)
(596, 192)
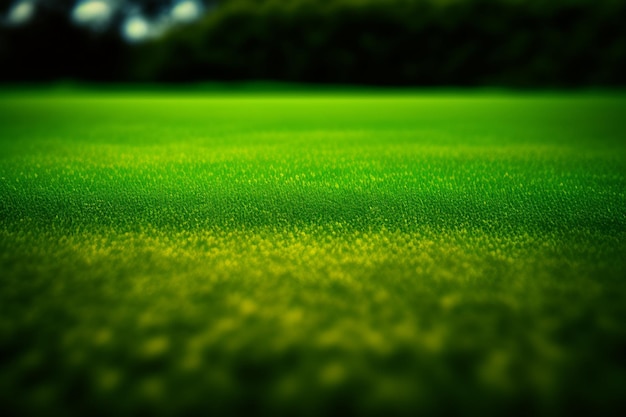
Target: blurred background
(526, 43)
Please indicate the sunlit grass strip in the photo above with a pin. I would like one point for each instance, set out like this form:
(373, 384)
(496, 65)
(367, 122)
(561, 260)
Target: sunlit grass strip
(354, 179)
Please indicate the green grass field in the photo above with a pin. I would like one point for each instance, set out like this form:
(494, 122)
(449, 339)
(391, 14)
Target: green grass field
(312, 253)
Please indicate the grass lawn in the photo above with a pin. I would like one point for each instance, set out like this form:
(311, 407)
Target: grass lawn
(312, 253)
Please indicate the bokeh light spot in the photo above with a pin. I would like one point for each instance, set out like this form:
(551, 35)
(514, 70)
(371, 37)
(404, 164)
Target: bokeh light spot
(93, 13)
(21, 13)
(136, 29)
(186, 11)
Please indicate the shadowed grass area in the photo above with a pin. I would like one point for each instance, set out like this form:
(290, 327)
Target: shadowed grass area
(312, 253)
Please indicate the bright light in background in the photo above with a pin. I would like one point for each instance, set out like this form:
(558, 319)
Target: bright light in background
(21, 13)
(136, 29)
(92, 12)
(98, 14)
(186, 11)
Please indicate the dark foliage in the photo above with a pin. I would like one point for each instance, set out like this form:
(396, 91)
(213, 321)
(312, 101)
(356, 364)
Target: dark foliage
(392, 42)
(399, 43)
(50, 47)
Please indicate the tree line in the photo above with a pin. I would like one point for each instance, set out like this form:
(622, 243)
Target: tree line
(380, 42)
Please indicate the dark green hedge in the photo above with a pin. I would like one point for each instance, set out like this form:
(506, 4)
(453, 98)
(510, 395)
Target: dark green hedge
(387, 42)
(414, 42)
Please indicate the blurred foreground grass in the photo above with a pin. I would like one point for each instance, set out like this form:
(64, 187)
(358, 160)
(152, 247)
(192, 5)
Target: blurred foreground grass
(314, 253)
